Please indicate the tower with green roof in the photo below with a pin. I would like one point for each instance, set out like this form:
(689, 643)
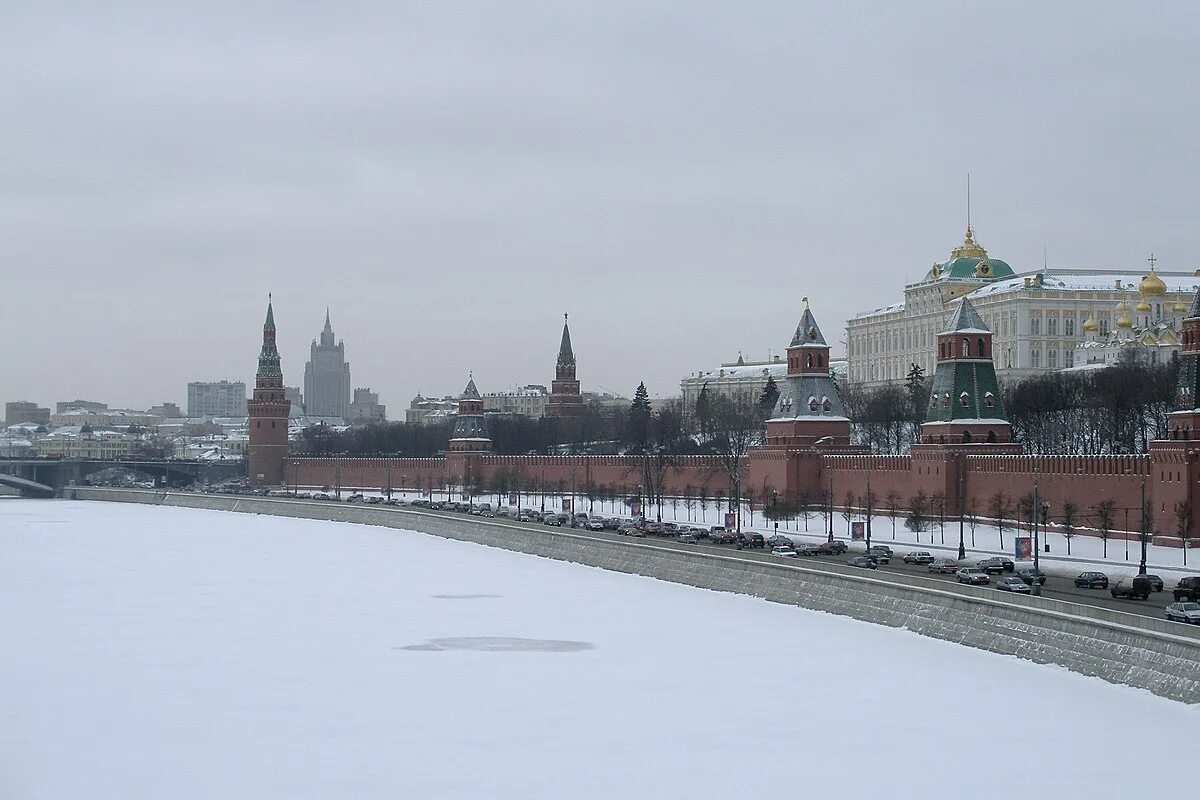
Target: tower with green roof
(470, 426)
(565, 399)
(965, 406)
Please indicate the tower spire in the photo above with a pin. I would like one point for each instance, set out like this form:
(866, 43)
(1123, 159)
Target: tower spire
(969, 232)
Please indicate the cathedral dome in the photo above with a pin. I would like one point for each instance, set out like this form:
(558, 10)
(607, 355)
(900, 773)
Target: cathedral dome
(1152, 286)
(1144, 306)
(1123, 321)
(1090, 325)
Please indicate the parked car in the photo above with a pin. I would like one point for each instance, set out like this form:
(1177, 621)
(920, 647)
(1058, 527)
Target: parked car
(723, 536)
(1029, 575)
(809, 549)
(1188, 588)
(882, 554)
(918, 557)
(943, 566)
(527, 518)
(1135, 588)
(863, 561)
(595, 525)
(992, 566)
(612, 523)
(1155, 581)
(356, 497)
(1091, 580)
(882, 548)
(779, 541)
(689, 538)
(552, 519)
(395, 501)
(374, 500)
(784, 552)
(1184, 612)
(834, 548)
(973, 576)
(1011, 583)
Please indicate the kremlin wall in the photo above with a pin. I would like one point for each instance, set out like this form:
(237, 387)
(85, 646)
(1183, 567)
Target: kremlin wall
(966, 451)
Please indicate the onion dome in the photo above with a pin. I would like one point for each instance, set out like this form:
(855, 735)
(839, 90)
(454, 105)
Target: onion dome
(1123, 321)
(1180, 307)
(1152, 285)
(1090, 325)
(1144, 306)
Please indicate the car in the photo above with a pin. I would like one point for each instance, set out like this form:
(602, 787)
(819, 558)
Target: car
(1136, 588)
(594, 525)
(1011, 583)
(973, 576)
(1155, 581)
(1029, 575)
(881, 554)
(1091, 580)
(1188, 589)
(779, 541)
(992, 566)
(943, 566)
(552, 519)
(356, 497)
(881, 548)
(723, 537)
(393, 502)
(1184, 612)
(612, 523)
(487, 512)
(752, 540)
(784, 552)
(689, 538)
(918, 557)
(863, 562)
(834, 548)
(809, 549)
(374, 500)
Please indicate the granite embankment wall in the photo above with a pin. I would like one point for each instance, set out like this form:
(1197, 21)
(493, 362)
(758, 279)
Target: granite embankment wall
(1121, 648)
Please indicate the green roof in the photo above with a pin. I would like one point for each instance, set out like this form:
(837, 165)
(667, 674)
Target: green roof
(965, 268)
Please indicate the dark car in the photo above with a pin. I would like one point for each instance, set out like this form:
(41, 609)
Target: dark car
(992, 566)
(1136, 588)
(751, 540)
(1188, 588)
(834, 548)
(1091, 580)
(1155, 581)
(723, 536)
(1007, 564)
(863, 561)
(918, 557)
(882, 553)
(809, 549)
(1029, 575)
(943, 566)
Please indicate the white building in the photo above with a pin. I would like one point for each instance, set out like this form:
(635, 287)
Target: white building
(529, 400)
(1037, 319)
(732, 378)
(216, 399)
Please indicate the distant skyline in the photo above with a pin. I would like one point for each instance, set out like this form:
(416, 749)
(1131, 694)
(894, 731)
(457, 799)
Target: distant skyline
(450, 178)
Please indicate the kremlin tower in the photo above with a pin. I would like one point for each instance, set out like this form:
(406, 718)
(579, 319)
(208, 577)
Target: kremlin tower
(268, 410)
(565, 400)
(470, 428)
(964, 402)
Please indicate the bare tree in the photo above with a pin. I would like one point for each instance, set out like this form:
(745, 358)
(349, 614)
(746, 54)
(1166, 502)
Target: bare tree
(848, 510)
(1070, 514)
(938, 505)
(918, 509)
(689, 499)
(1000, 508)
(736, 426)
(973, 516)
(1106, 511)
(892, 500)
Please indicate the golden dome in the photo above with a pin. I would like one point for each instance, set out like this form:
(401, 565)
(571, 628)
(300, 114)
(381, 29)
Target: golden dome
(1152, 285)
(1124, 321)
(1143, 307)
(969, 248)
(1090, 325)
(1180, 307)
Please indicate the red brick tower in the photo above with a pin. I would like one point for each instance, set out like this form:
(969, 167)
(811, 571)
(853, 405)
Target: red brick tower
(565, 400)
(268, 413)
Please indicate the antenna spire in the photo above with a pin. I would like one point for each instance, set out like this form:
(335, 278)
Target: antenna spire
(968, 204)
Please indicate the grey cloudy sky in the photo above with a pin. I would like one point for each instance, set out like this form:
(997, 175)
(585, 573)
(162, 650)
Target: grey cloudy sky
(450, 177)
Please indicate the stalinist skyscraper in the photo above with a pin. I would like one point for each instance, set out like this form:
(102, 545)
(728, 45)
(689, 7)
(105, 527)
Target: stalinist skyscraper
(327, 377)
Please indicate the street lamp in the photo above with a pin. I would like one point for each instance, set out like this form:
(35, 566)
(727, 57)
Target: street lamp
(962, 547)
(1035, 588)
(1142, 528)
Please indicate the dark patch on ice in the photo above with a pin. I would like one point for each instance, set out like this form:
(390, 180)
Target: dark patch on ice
(463, 596)
(501, 644)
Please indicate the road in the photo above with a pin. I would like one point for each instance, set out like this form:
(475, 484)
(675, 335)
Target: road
(1057, 587)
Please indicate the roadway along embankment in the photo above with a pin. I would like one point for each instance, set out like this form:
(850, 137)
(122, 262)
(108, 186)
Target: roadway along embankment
(1149, 653)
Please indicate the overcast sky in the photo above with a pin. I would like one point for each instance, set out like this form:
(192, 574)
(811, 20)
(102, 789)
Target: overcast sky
(449, 178)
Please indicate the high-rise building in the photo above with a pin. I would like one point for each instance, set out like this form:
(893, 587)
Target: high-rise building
(268, 413)
(366, 409)
(327, 377)
(216, 399)
(22, 411)
(565, 400)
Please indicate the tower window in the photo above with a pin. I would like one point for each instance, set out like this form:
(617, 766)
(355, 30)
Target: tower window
(989, 400)
(966, 347)
(826, 405)
(965, 399)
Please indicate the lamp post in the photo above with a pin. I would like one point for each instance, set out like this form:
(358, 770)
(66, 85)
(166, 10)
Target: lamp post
(962, 546)
(868, 503)
(1036, 587)
(1142, 528)
(831, 509)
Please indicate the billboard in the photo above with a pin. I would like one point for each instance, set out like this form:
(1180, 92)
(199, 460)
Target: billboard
(567, 505)
(730, 520)
(1023, 548)
(858, 530)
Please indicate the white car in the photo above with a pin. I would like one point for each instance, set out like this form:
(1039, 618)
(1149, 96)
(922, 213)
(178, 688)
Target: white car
(595, 525)
(785, 552)
(973, 576)
(1184, 612)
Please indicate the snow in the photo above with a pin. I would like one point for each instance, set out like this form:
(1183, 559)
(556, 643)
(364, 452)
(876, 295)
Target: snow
(196, 654)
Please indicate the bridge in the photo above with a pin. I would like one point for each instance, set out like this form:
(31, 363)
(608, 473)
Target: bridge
(34, 476)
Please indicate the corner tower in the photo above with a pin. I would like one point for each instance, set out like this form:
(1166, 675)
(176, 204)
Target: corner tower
(268, 412)
(809, 409)
(964, 403)
(1185, 422)
(470, 427)
(565, 399)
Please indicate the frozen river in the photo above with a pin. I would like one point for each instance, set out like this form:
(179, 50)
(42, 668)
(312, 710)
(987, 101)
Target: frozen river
(177, 653)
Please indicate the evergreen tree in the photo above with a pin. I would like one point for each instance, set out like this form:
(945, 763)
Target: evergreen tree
(770, 394)
(639, 418)
(703, 410)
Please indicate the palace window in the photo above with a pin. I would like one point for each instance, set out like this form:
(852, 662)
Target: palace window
(1069, 326)
(1052, 326)
(1104, 326)
(1035, 358)
(1035, 326)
